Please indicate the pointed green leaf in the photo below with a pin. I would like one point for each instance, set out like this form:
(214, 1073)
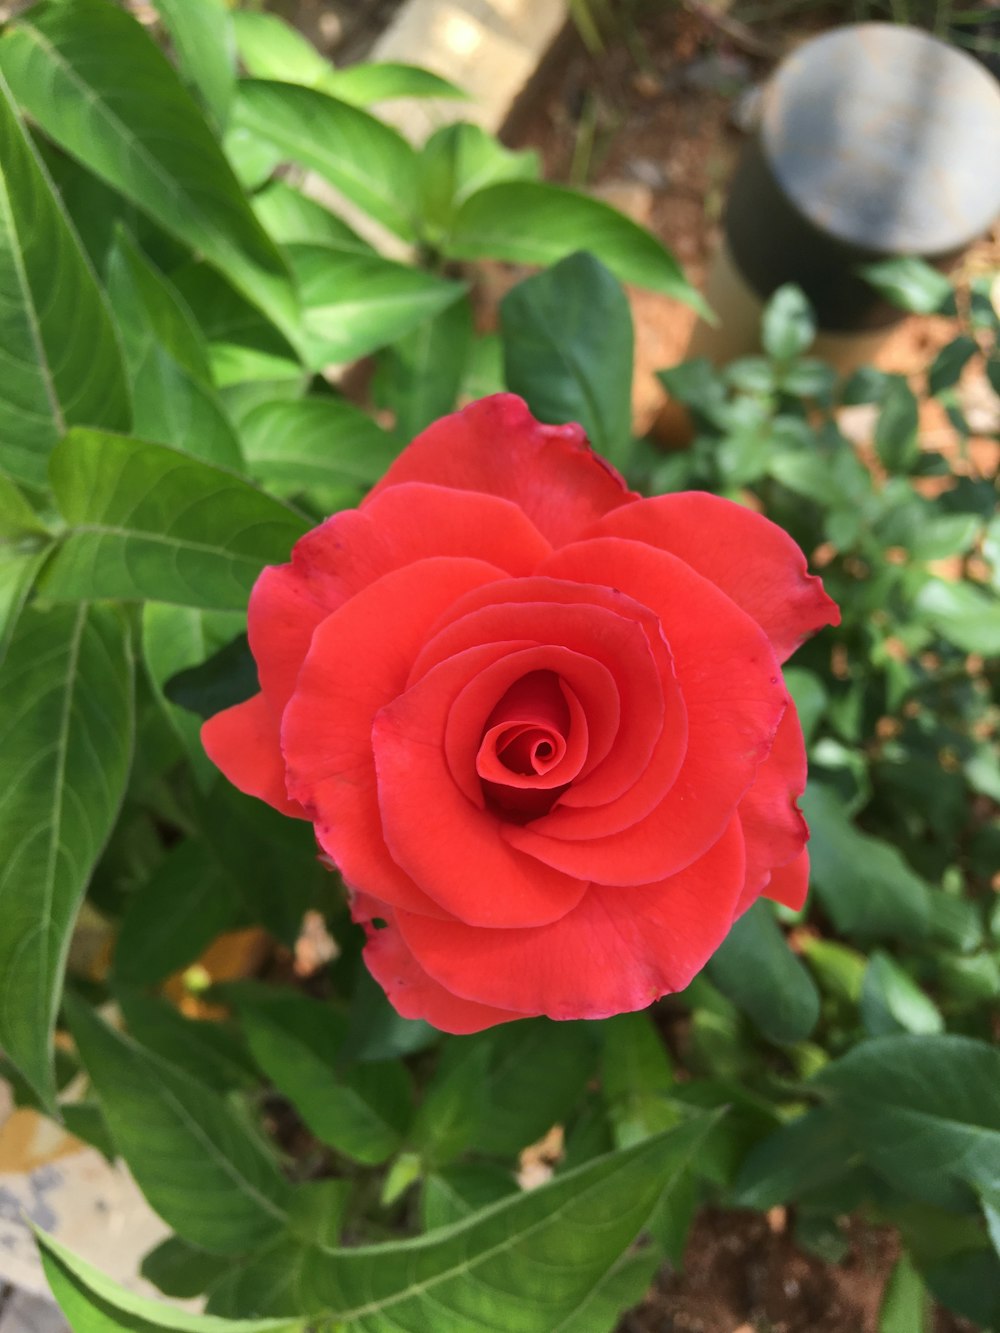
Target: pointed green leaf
(905, 1304)
(321, 447)
(93, 1303)
(567, 336)
(18, 570)
(270, 48)
(455, 162)
(199, 1165)
(381, 80)
(149, 522)
(529, 1264)
(421, 373)
(925, 1111)
(528, 222)
(62, 362)
(291, 217)
(66, 725)
(98, 85)
(353, 303)
(205, 46)
(636, 1079)
(891, 1001)
(368, 161)
(755, 968)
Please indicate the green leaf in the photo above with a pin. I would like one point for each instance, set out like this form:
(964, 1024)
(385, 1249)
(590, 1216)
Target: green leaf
(965, 615)
(755, 968)
(66, 740)
(365, 159)
(450, 1116)
(62, 362)
(270, 48)
(355, 303)
(452, 1194)
(809, 696)
(17, 518)
(801, 1156)
(968, 1283)
(178, 637)
(291, 217)
(322, 447)
(527, 222)
(18, 569)
(149, 522)
(537, 1074)
(92, 1303)
(636, 1079)
(168, 362)
(375, 1031)
(905, 1305)
(197, 1162)
(209, 1052)
(530, 1264)
(181, 1270)
(896, 437)
(362, 1111)
(381, 80)
(98, 85)
(420, 374)
(925, 1111)
(908, 283)
(891, 1001)
(205, 47)
(567, 336)
(174, 916)
(788, 326)
(863, 883)
(455, 162)
(228, 677)
(949, 363)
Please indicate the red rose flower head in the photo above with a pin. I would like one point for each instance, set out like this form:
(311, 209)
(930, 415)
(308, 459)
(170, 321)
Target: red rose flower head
(537, 722)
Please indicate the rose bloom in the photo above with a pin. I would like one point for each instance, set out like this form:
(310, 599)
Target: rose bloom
(537, 722)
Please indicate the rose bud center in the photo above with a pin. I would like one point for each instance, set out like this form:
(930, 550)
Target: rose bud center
(534, 743)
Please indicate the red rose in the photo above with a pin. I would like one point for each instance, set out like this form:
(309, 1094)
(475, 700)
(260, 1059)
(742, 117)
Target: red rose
(538, 722)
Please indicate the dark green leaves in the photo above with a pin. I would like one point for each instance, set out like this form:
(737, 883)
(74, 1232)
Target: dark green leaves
(896, 432)
(149, 522)
(66, 742)
(98, 86)
(567, 337)
(756, 969)
(62, 362)
(199, 1165)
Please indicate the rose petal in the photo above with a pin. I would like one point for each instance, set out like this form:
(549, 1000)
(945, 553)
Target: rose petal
(448, 845)
(496, 446)
(410, 990)
(281, 618)
(617, 951)
(624, 637)
(789, 884)
(732, 688)
(750, 558)
(773, 826)
(243, 742)
(359, 660)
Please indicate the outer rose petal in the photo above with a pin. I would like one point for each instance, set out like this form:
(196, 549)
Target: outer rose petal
(243, 742)
(355, 548)
(750, 558)
(496, 446)
(358, 662)
(619, 950)
(790, 884)
(411, 991)
(773, 826)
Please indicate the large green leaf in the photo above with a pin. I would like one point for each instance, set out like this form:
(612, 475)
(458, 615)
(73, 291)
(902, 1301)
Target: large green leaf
(203, 40)
(98, 85)
(567, 341)
(925, 1111)
(962, 613)
(368, 161)
(198, 1163)
(355, 303)
(167, 361)
(528, 222)
(65, 749)
(149, 522)
(61, 361)
(528, 1264)
(636, 1079)
(292, 217)
(757, 970)
(863, 882)
(381, 80)
(455, 162)
(321, 447)
(297, 1042)
(93, 1303)
(421, 374)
